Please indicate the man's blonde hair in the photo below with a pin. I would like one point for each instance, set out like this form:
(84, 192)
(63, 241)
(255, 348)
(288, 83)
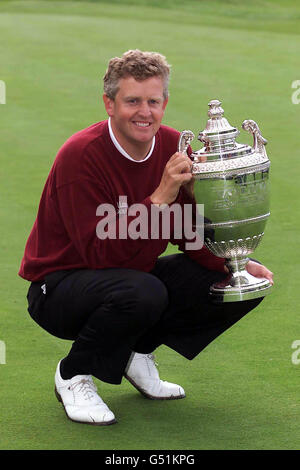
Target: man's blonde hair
(139, 65)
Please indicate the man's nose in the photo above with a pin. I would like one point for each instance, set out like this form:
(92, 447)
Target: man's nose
(144, 109)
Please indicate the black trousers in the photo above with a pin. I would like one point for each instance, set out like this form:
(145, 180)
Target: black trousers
(109, 313)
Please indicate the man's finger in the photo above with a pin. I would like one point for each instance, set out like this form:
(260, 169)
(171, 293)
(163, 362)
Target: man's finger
(181, 164)
(178, 155)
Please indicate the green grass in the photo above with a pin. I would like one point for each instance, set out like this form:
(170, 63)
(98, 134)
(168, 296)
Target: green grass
(243, 390)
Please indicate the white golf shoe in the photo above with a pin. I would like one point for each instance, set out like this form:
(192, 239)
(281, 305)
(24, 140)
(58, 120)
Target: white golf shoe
(142, 373)
(81, 401)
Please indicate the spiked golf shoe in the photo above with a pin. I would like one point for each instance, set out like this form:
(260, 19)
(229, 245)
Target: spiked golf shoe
(81, 401)
(142, 373)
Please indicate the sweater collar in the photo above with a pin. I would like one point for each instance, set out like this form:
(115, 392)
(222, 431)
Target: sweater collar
(122, 151)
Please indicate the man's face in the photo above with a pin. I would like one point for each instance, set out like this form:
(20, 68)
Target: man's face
(136, 112)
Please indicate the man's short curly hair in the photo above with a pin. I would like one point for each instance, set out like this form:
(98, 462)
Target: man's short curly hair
(139, 65)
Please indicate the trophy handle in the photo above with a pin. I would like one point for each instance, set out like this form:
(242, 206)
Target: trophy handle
(258, 140)
(185, 139)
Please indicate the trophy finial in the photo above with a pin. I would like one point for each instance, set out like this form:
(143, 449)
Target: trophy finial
(215, 110)
(218, 133)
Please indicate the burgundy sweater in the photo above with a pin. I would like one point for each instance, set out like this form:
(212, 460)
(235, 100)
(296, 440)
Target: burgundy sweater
(89, 171)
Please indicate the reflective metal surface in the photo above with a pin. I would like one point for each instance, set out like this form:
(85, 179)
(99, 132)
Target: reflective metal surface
(232, 181)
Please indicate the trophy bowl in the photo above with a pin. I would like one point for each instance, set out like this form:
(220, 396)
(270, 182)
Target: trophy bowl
(231, 180)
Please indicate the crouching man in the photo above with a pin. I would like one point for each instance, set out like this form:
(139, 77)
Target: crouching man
(115, 297)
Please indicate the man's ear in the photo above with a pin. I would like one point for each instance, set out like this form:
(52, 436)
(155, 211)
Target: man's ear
(109, 105)
(165, 103)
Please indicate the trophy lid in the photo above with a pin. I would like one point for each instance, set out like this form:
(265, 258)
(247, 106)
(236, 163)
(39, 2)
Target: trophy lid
(221, 154)
(218, 133)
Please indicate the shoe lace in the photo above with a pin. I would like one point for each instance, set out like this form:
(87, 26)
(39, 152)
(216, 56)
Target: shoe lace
(84, 386)
(152, 358)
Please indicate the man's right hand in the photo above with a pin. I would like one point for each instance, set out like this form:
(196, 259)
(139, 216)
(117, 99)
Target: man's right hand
(177, 172)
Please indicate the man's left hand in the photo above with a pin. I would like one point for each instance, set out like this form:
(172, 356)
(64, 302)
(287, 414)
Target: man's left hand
(259, 270)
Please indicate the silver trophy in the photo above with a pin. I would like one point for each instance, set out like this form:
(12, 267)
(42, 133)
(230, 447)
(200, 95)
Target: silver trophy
(232, 181)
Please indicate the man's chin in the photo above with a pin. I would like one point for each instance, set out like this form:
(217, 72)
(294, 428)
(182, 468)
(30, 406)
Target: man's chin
(143, 132)
(143, 137)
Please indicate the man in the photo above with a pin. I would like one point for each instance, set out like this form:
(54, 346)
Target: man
(109, 292)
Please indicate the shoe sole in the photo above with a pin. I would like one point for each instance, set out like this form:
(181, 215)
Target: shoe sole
(103, 423)
(151, 397)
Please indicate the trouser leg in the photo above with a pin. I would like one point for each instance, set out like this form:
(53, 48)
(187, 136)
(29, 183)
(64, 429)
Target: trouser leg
(105, 312)
(191, 321)
(111, 312)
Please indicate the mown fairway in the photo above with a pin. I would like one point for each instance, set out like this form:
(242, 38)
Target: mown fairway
(243, 390)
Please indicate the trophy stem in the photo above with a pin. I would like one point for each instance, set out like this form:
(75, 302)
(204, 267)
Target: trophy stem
(239, 284)
(236, 265)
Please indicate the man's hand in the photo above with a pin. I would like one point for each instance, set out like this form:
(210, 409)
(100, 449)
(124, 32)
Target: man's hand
(177, 172)
(259, 270)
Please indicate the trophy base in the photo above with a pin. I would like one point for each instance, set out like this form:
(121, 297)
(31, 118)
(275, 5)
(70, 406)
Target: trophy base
(240, 286)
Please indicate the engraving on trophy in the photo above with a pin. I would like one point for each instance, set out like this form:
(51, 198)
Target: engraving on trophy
(249, 192)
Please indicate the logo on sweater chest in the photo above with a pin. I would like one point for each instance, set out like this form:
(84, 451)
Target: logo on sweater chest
(122, 205)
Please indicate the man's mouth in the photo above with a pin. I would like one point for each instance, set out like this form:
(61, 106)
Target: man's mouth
(141, 123)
